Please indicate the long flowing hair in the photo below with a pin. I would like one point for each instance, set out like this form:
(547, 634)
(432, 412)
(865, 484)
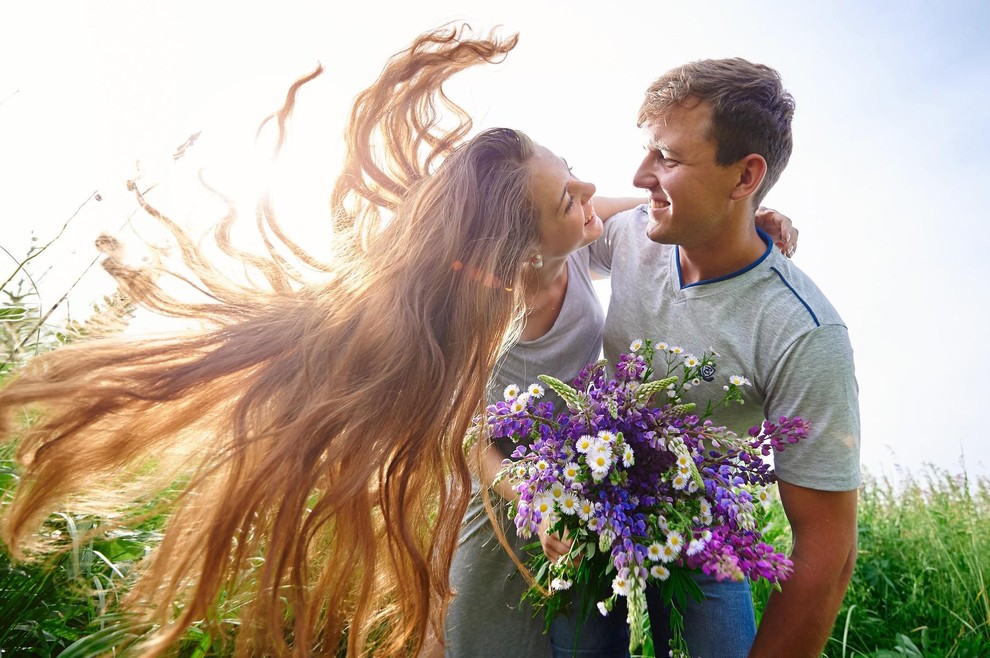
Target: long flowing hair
(315, 430)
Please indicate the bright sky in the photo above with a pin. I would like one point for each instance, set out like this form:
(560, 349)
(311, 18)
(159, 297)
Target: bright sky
(889, 182)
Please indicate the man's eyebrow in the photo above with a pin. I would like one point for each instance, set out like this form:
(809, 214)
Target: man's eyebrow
(659, 145)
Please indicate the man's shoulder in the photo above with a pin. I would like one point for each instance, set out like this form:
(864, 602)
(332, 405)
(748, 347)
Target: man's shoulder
(796, 291)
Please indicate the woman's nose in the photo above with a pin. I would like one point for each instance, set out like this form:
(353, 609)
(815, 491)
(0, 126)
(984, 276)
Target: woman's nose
(588, 190)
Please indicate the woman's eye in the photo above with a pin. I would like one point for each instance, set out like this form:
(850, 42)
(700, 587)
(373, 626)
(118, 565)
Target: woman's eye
(570, 204)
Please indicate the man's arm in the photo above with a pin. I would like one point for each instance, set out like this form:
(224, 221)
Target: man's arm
(799, 618)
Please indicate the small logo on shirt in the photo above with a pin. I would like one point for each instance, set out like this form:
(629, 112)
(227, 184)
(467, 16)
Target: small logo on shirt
(708, 372)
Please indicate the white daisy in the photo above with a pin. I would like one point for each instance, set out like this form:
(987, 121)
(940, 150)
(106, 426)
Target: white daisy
(606, 437)
(675, 540)
(668, 554)
(599, 457)
(706, 512)
(535, 390)
(661, 346)
(585, 508)
(635, 345)
(654, 551)
(585, 443)
(660, 572)
(620, 586)
(560, 584)
(568, 503)
(517, 406)
(593, 523)
(674, 349)
(680, 481)
(542, 504)
(691, 361)
(571, 471)
(695, 546)
(511, 392)
(739, 380)
(557, 490)
(628, 457)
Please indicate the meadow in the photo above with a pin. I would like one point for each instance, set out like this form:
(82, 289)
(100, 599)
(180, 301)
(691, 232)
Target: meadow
(919, 588)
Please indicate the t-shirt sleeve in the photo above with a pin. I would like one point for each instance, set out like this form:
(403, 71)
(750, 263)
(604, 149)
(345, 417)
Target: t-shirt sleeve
(816, 380)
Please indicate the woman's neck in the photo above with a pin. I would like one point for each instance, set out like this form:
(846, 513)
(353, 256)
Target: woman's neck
(545, 289)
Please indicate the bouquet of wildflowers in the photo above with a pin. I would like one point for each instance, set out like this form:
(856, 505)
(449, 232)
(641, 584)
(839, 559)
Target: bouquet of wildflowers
(647, 489)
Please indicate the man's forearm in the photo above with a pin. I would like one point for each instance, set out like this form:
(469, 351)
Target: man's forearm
(799, 619)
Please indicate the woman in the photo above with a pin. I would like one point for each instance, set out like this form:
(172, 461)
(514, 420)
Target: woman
(309, 426)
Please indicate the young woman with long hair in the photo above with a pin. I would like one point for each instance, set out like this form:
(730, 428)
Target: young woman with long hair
(315, 429)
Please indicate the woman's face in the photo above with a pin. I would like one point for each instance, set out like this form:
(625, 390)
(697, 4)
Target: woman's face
(567, 216)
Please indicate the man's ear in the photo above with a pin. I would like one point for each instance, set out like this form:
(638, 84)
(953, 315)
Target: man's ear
(752, 170)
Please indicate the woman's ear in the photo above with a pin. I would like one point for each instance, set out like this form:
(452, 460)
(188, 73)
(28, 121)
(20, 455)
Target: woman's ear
(752, 171)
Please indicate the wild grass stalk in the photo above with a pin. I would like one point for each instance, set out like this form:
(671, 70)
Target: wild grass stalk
(920, 584)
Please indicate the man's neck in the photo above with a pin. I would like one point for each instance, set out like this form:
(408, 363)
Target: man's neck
(721, 257)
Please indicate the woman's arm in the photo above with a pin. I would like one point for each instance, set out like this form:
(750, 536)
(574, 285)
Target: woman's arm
(606, 206)
(489, 464)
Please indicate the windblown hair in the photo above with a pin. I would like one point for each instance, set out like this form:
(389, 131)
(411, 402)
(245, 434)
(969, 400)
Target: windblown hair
(751, 110)
(315, 429)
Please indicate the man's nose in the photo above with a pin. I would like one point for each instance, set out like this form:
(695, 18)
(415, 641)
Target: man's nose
(644, 176)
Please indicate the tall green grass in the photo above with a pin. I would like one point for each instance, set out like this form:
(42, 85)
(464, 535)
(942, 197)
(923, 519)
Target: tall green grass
(920, 583)
(920, 586)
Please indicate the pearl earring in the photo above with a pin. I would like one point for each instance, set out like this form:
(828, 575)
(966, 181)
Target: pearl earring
(536, 262)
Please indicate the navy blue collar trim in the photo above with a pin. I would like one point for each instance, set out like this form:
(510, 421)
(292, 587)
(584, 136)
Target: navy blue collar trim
(766, 239)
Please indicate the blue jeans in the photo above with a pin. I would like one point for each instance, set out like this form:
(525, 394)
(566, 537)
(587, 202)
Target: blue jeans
(720, 626)
(594, 637)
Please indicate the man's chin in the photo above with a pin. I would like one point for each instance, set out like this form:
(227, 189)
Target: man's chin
(655, 231)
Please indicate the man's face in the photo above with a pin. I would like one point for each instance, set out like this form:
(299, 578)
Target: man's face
(689, 192)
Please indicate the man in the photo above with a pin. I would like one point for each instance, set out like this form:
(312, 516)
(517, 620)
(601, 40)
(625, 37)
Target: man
(690, 268)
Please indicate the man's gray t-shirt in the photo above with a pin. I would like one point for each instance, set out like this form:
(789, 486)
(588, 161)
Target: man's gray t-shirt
(768, 322)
